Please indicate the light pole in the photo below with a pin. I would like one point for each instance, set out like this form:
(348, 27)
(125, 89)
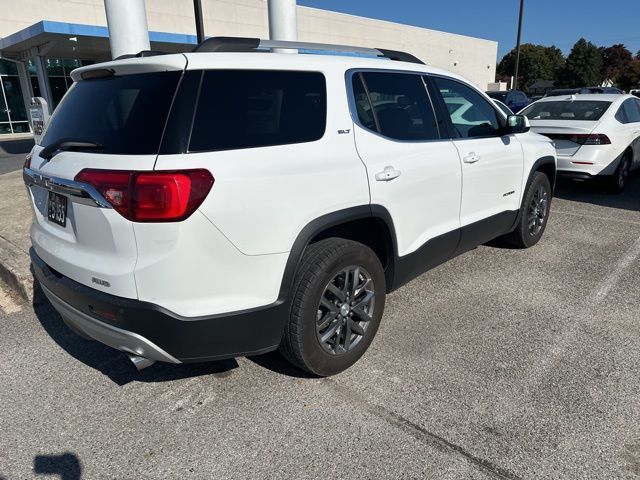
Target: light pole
(197, 10)
(515, 81)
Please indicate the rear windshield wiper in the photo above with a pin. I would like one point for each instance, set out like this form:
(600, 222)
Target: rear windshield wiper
(67, 144)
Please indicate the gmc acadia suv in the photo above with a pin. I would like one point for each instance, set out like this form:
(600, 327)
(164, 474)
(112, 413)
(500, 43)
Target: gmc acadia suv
(230, 202)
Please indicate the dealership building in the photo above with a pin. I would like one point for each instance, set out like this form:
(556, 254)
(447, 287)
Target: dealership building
(42, 41)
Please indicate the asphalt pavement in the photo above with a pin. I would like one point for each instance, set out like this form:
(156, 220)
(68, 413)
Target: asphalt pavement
(501, 363)
(12, 154)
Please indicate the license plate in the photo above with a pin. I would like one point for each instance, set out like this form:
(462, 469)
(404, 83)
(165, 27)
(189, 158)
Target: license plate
(57, 209)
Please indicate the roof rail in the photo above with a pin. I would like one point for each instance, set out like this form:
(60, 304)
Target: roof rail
(242, 44)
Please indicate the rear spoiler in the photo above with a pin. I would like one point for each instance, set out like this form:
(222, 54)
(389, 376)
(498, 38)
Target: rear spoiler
(133, 64)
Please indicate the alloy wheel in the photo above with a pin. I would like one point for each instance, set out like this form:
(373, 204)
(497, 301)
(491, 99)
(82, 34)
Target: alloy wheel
(538, 211)
(345, 310)
(623, 173)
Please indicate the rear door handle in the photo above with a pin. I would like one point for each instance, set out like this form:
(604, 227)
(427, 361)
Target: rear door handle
(471, 158)
(389, 173)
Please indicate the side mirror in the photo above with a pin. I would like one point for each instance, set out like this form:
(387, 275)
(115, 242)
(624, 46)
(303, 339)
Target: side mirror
(517, 124)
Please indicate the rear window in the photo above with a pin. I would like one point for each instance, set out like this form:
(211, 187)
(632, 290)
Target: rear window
(254, 108)
(124, 114)
(567, 110)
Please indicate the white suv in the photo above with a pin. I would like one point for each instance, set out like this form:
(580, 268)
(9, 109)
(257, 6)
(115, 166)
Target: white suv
(228, 202)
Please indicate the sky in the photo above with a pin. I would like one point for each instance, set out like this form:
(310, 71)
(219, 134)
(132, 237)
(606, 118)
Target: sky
(546, 22)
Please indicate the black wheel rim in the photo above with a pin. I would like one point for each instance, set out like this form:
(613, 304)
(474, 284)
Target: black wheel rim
(537, 214)
(345, 310)
(623, 173)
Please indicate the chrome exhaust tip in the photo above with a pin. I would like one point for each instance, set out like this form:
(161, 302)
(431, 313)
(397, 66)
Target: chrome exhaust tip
(140, 362)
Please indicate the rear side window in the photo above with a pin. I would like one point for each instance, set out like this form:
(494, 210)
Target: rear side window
(250, 108)
(588, 110)
(632, 110)
(124, 114)
(397, 105)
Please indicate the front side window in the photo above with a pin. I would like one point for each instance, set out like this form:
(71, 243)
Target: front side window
(471, 114)
(397, 105)
(254, 108)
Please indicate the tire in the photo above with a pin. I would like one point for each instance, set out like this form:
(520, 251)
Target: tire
(534, 213)
(618, 181)
(317, 308)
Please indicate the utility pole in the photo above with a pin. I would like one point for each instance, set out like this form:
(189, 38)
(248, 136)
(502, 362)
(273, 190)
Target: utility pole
(197, 8)
(515, 82)
(127, 22)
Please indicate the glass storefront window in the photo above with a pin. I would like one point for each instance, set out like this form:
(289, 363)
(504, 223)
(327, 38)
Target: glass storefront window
(13, 112)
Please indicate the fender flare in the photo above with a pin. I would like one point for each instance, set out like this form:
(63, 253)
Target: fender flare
(546, 160)
(324, 222)
(536, 165)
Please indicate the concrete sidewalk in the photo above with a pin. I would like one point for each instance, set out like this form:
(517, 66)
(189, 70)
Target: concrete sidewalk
(15, 212)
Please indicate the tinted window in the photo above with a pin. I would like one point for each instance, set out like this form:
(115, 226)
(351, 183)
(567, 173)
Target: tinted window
(631, 109)
(621, 115)
(125, 114)
(589, 110)
(401, 106)
(507, 111)
(502, 96)
(521, 97)
(363, 106)
(471, 114)
(250, 108)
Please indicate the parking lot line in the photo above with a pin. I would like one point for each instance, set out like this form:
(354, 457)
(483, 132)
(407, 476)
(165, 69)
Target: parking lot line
(613, 277)
(595, 217)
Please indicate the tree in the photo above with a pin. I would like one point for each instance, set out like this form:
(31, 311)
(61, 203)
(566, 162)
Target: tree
(615, 60)
(537, 62)
(583, 67)
(630, 77)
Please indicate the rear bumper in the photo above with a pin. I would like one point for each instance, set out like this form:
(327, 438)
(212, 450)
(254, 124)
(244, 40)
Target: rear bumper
(150, 331)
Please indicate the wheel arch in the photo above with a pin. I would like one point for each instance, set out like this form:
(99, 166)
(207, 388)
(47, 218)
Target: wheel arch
(546, 165)
(370, 225)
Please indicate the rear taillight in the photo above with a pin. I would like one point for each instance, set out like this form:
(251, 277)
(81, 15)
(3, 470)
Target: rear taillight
(27, 161)
(156, 196)
(590, 139)
(581, 138)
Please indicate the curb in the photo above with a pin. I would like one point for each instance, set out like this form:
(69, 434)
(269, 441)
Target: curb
(15, 271)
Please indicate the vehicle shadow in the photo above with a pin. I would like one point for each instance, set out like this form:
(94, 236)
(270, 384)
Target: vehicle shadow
(115, 364)
(14, 147)
(276, 363)
(597, 194)
(67, 466)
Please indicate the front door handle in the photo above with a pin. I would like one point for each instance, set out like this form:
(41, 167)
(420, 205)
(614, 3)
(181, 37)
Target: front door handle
(389, 173)
(473, 157)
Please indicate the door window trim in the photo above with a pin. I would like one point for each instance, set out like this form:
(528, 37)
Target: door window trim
(353, 109)
(447, 118)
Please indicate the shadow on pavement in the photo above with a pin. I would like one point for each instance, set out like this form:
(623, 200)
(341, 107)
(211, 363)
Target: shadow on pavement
(276, 363)
(67, 466)
(14, 147)
(597, 194)
(115, 364)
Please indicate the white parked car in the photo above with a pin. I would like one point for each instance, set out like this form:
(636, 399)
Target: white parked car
(219, 203)
(596, 135)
